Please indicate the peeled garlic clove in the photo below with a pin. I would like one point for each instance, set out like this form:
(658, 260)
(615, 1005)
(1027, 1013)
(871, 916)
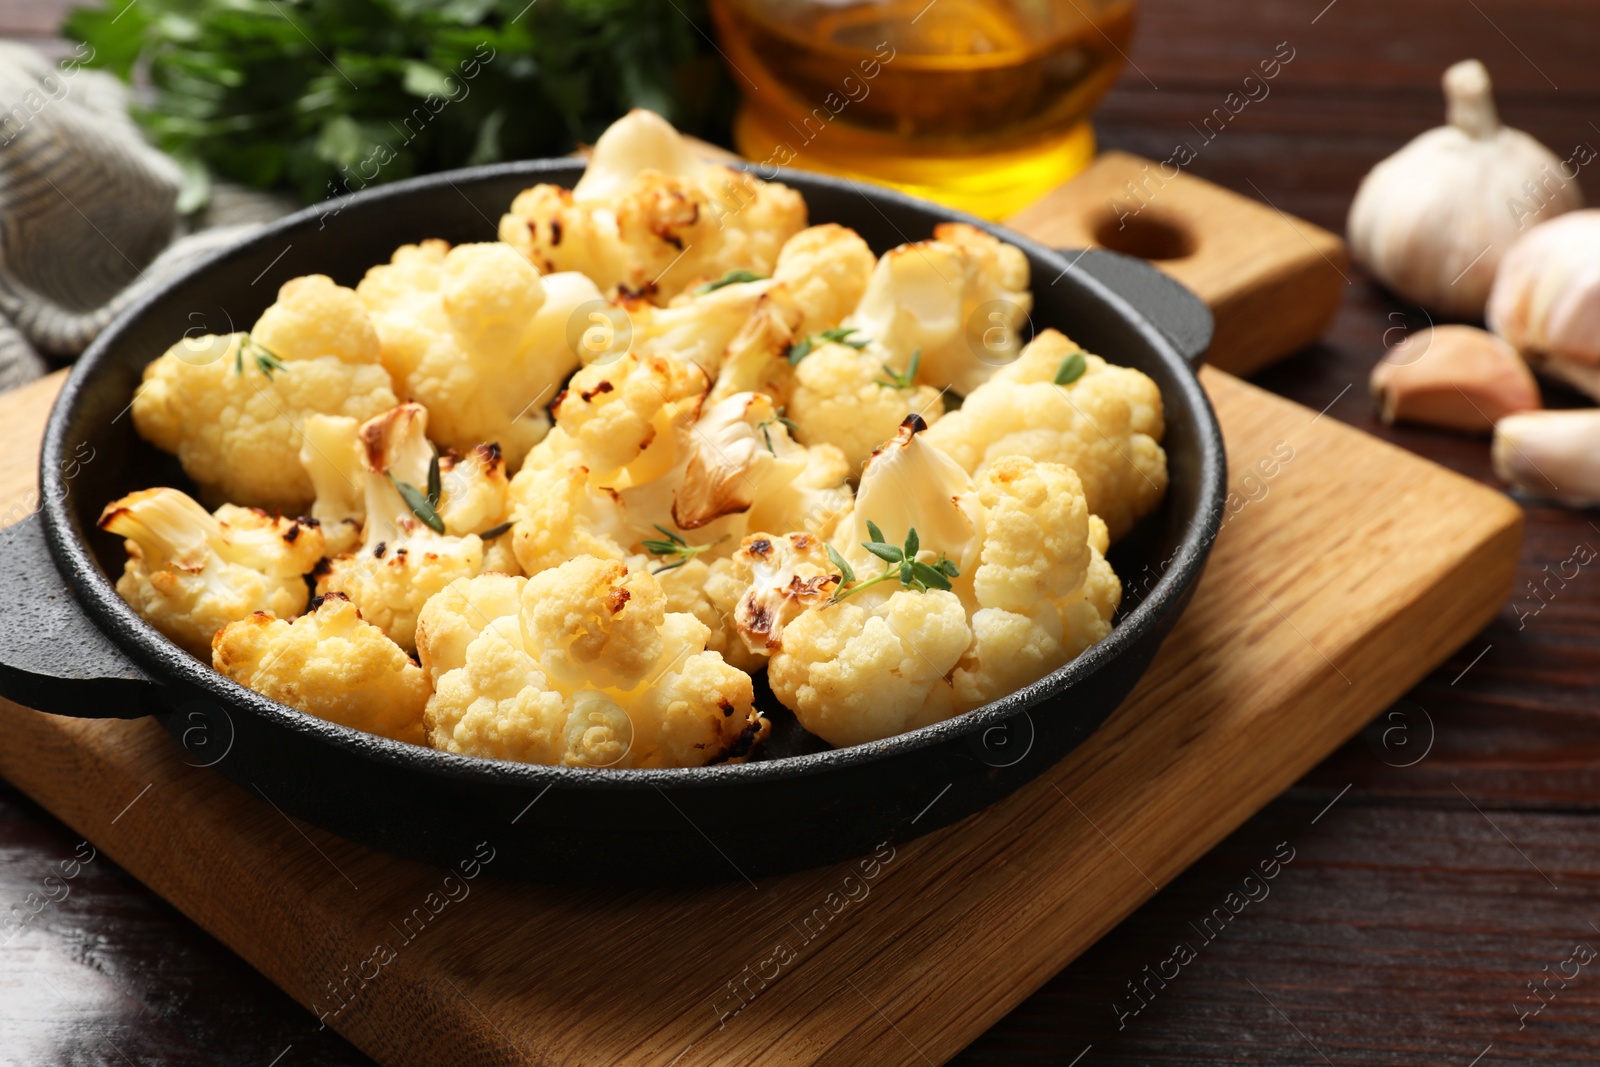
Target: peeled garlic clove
(1552, 454)
(1433, 220)
(1455, 377)
(1546, 299)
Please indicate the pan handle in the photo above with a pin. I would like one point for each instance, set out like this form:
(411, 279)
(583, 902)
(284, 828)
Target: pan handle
(1183, 318)
(52, 657)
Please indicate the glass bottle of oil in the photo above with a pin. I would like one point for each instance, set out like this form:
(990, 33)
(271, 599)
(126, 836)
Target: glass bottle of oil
(981, 104)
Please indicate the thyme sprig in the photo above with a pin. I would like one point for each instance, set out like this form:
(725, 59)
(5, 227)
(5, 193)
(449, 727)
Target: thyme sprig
(839, 335)
(673, 546)
(900, 564)
(898, 380)
(266, 362)
(424, 505)
(733, 277)
(788, 424)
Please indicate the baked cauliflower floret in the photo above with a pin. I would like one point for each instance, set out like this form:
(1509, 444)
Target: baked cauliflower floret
(330, 664)
(232, 408)
(330, 451)
(846, 398)
(764, 586)
(621, 415)
(649, 217)
(1106, 425)
(738, 470)
(402, 560)
(476, 335)
(580, 666)
(961, 300)
(871, 667)
(190, 573)
(557, 514)
(1014, 555)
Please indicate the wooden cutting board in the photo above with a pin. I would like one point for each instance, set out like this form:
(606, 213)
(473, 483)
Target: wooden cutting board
(1346, 571)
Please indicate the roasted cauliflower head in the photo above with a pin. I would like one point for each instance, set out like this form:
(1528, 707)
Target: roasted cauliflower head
(851, 400)
(581, 665)
(190, 573)
(953, 593)
(1106, 424)
(960, 300)
(328, 663)
(477, 336)
(649, 217)
(233, 408)
(407, 551)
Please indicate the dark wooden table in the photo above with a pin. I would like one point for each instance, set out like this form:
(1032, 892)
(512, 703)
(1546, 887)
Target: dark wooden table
(1442, 903)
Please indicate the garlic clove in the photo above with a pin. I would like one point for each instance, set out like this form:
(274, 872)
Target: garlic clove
(1455, 377)
(1546, 299)
(1433, 220)
(1551, 454)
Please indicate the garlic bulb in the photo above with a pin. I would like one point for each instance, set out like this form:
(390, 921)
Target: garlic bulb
(1457, 377)
(1552, 454)
(1546, 299)
(1433, 220)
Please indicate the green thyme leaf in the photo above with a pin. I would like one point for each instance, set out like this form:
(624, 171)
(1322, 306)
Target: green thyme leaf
(875, 533)
(674, 546)
(733, 277)
(912, 543)
(898, 380)
(947, 568)
(435, 483)
(1071, 369)
(839, 335)
(264, 359)
(495, 531)
(417, 501)
(930, 576)
(887, 553)
(847, 574)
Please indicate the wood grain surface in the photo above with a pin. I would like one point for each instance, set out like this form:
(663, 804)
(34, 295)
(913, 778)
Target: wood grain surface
(1405, 931)
(1337, 581)
(1272, 282)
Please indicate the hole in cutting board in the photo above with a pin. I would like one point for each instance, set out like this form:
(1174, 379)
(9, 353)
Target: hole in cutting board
(1144, 235)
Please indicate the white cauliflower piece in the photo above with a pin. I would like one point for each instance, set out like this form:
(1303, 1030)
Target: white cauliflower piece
(739, 471)
(583, 666)
(403, 560)
(821, 275)
(961, 300)
(330, 664)
(1106, 425)
(847, 399)
(232, 408)
(559, 515)
(190, 573)
(860, 671)
(1014, 557)
(764, 586)
(648, 218)
(621, 416)
(330, 451)
(476, 335)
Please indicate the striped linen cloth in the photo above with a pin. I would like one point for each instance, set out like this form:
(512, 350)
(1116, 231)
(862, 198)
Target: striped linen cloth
(89, 215)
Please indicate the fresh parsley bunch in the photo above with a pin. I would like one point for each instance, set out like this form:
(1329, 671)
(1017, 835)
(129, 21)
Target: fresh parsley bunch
(327, 96)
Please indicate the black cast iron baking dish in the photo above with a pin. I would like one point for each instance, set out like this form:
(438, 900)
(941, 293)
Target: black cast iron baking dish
(69, 645)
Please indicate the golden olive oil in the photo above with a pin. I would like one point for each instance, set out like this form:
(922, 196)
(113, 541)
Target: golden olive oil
(982, 104)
